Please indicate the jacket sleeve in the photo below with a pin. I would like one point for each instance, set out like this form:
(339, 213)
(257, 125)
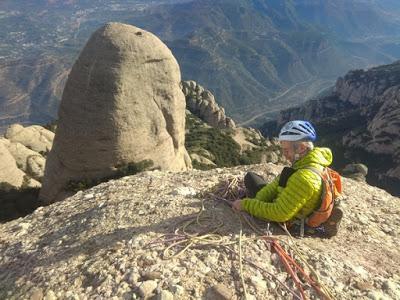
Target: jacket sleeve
(297, 192)
(268, 192)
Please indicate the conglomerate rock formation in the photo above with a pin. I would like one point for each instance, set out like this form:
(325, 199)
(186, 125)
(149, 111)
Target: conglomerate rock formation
(361, 120)
(34, 137)
(122, 104)
(23, 156)
(111, 241)
(203, 112)
(201, 102)
(10, 175)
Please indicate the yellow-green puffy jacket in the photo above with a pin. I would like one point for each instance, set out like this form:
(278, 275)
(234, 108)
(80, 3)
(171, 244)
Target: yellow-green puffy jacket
(299, 198)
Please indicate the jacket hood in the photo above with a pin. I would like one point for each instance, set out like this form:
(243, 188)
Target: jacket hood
(317, 156)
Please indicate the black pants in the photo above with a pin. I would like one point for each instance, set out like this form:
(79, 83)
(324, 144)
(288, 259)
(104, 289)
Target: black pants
(253, 184)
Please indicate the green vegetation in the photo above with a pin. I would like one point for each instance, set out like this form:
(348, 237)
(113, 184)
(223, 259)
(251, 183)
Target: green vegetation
(218, 142)
(121, 171)
(251, 157)
(218, 146)
(199, 166)
(52, 126)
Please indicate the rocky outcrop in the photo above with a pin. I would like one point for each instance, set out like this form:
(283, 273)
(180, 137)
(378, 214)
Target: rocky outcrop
(205, 158)
(359, 87)
(253, 147)
(9, 172)
(250, 140)
(34, 137)
(211, 147)
(29, 161)
(107, 242)
(384, 128)
(27, 147)
(355, 171)
(201, 102)
(11, 177)
(361, 118)
(122, 104)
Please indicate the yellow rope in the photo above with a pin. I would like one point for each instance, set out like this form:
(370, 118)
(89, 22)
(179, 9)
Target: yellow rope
(240, 260)
(211, 238)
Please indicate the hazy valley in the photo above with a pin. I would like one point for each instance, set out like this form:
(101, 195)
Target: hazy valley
(256, 57)
(170, 232)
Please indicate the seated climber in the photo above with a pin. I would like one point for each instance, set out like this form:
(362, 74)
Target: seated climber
(296, 193)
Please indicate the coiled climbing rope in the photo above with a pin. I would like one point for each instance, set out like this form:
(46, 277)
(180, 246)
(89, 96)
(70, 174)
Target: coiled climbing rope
(182, 240)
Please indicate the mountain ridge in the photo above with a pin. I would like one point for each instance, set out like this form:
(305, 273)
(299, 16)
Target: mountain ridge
(244, 52)
(359, 120)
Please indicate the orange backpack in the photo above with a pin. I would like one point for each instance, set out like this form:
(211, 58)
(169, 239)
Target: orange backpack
(331, 190)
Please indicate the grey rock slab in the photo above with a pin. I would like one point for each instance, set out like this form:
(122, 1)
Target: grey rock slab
(220, 292)
(36, 294)
(391, 288)
(109, 244)
(258, 283)
(147, 288)
(50, 295)
(165, 295)
(177, 289)
(152, 275)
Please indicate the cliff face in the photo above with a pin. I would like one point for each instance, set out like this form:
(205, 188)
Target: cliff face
(201, 102)
(360, 120)
(214, 140)
(107, 241)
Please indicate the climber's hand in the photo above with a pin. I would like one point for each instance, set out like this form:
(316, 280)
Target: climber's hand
(237, 205)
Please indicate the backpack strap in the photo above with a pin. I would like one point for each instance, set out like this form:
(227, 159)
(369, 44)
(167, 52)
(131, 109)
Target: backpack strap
(285, 174)
(305, 220)
(331, 190)
(322, 214)
(315, 170)
(321, 175)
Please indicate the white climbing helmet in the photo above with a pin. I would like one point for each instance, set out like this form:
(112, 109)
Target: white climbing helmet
(297, 131)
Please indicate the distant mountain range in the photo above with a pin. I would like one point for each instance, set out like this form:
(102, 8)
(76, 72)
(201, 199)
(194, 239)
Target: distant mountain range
(360, 121)
(256, 56)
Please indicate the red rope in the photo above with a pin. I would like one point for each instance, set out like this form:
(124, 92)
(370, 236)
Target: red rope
(288, 262)
(284, 258)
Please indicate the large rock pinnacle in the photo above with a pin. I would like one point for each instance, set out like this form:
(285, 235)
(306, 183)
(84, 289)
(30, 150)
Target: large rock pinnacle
(122, 104)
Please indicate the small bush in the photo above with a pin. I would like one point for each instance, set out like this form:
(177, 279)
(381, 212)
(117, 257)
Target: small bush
(121, 171)
(250, 157)
(219, 142)
(133, 168)
(199, 166)
(52, 126)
